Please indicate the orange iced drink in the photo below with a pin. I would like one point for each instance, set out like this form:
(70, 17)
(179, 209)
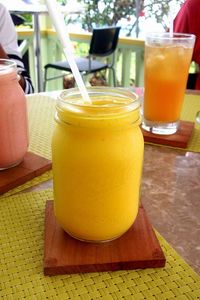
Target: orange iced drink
(97, 154)
(167, 62)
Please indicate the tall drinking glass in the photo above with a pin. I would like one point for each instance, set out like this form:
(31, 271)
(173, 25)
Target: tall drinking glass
(167, 61)
(13, 117)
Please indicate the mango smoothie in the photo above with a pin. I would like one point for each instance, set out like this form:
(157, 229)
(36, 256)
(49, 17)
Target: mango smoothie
(97, 154)
(13, 117)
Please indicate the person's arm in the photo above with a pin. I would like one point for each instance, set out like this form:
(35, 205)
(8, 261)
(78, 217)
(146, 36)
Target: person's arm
(21, 79)
(181, 21)
(188, 21)
(9, 48)
(3, 53)
(25, 80)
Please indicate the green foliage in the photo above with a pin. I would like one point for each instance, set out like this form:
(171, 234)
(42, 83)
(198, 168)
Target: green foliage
(160, 9)
(106, 12)
(62, 2)
(81, 49)
(27, 20)
(110, 12)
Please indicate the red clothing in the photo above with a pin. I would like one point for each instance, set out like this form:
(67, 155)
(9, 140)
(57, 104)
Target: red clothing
(188, 21)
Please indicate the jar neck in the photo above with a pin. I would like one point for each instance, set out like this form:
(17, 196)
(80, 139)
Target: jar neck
(8, 71)
(8, 77)
(131, 119)
(113, 108)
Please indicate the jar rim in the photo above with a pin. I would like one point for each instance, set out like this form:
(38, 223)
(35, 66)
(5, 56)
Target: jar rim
(6, 65)
(124, 97)
(168, 36)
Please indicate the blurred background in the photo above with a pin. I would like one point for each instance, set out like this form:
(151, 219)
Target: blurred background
(39, 44)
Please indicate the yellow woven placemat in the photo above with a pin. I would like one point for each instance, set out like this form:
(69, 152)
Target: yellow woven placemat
(190, 108)
(41, 110)
(41, 117)
(21, 257)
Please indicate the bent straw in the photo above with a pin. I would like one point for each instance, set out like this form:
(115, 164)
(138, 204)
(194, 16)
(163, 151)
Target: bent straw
(61, 29)
(171, 21)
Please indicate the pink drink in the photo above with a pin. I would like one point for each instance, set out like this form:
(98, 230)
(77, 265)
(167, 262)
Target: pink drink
(13, 117)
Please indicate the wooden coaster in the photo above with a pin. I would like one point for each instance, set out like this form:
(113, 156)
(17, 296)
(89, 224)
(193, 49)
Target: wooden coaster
(179, 139)
(138, 248)
(33, 165)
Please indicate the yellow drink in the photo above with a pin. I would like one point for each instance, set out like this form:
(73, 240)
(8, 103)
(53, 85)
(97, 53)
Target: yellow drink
(97, 165)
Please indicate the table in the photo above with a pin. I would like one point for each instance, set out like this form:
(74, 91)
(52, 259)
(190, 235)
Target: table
(170, 193)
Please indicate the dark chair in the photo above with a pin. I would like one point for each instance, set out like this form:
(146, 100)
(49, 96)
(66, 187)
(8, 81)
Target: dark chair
(17, 19)
(103, 44)
(191, 81)
(20, 20)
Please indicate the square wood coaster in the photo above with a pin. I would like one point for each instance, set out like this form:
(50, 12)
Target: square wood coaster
(138, 248)
(179, 139)
(33, 165)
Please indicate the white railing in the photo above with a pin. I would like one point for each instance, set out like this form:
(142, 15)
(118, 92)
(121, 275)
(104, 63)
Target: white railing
(129, 55)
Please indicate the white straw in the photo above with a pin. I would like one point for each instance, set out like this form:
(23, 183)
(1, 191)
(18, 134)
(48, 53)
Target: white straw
(171, 21)
(61, 29)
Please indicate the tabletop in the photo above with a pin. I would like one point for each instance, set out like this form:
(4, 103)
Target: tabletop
(169, 192)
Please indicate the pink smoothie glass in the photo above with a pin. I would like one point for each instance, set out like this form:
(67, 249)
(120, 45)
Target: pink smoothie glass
(13, 117)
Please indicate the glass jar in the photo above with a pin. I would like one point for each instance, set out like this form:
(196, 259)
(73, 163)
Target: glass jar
(13, 117)
(97, 155)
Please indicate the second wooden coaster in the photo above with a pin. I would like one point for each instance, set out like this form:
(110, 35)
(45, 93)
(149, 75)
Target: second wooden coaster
(179, 139)
(33, 165)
